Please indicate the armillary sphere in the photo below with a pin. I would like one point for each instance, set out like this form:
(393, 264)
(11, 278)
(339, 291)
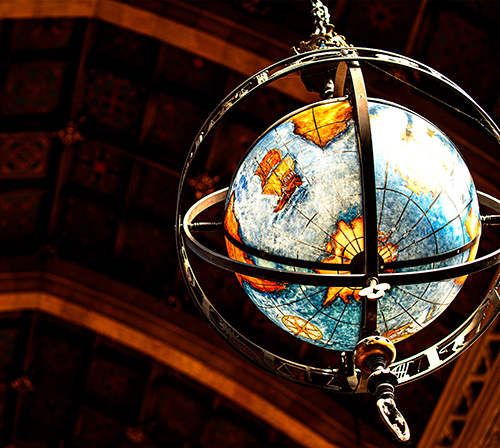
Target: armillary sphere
(351, 223)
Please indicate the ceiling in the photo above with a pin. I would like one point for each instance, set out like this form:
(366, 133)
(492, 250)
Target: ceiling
(100, 344)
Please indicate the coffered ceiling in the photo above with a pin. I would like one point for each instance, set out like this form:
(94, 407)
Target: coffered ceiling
(100, 345)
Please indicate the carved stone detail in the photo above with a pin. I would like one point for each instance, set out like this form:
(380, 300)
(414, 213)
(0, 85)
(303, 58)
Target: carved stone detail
(71, 135)
(23, 384)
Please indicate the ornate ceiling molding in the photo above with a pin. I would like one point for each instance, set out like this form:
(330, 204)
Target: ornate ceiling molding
(280, 405)
(148, 23)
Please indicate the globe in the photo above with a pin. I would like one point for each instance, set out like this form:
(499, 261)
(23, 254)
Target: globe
(298, 194)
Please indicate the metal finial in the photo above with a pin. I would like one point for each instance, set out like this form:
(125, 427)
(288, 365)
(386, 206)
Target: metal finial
(321, 17)
(324, 37)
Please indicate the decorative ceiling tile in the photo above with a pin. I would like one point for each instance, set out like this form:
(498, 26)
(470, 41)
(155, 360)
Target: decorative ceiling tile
(378, 24)
(270, 105)
(229, 301)
(495, 110)
(101, 167)
(487, 8)
(203, 184)
(114, 101)
(97, 430)
(177, 117)
(9, 338)
(3, 408)
(258, 7)
(195, 72)
(461, 52)
(19, 211)
(117, 386)
(117, 43)
(42, 34)
(33, 88)
(147, 248)
(180, 416)
(226, 156)
(59, 363)
(24, 155)
(227, 432)
(157, 192)
(88, 225)
(44, 415)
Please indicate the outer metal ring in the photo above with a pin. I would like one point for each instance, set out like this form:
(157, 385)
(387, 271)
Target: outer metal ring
(344, 379)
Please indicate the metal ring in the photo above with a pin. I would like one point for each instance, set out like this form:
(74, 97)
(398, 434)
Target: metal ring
(343, 379)
(350, 280)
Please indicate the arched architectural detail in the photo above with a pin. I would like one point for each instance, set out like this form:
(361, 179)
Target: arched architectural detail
(199, 359)
(164, 29)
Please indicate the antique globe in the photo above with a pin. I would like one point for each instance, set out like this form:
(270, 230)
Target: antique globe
(351, 223)
(297, 195)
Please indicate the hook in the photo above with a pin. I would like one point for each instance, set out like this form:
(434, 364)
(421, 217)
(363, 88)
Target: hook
(393, 418)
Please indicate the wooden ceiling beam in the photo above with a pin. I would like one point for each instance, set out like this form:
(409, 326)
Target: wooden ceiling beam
(66, 153)
(81, 75)
(151, 107)
(129, 197)
(147, 123)
(415, 28)
(308, 417)
(164, 29)
(23, 383)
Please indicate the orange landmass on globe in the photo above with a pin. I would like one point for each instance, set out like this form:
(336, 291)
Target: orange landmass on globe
(473, 228)
(278, 177)
(321, 124)
(232, 227)
(400, 333)
(344, 245)
(406, 330)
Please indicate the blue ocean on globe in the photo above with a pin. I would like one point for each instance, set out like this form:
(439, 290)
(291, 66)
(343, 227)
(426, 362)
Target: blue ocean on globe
(297, 194)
